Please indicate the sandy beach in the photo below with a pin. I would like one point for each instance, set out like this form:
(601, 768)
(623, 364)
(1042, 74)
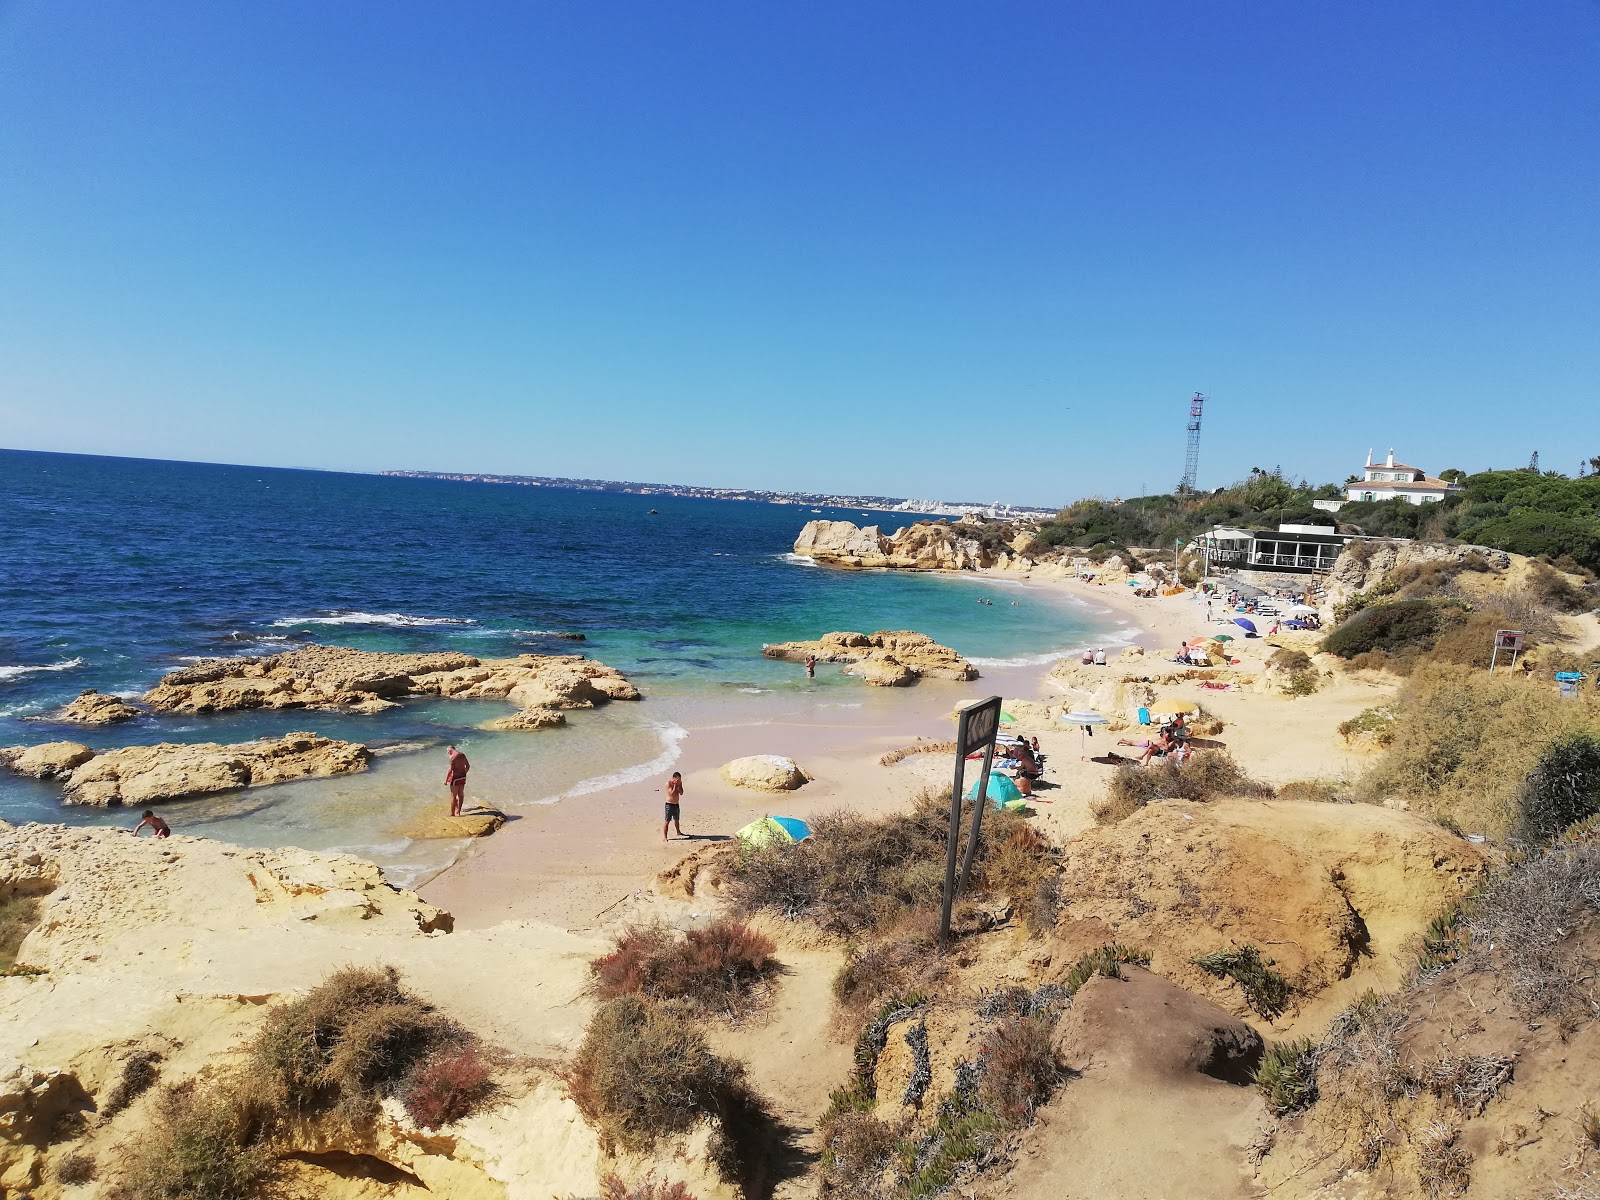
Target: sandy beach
(575, 862)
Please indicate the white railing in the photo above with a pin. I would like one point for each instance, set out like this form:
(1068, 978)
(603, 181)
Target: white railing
(1309, 561)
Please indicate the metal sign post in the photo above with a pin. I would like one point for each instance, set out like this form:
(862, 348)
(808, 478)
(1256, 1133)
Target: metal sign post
(978, 725)
(1509, 641)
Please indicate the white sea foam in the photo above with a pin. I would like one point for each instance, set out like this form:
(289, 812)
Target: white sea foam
(671, 736)
(20, 710)
(1023, 660)
(19, 672)
(799, 560)
(397, 620)
(754, 691)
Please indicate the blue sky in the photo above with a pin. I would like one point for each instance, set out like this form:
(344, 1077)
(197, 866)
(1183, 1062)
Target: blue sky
(925, 249)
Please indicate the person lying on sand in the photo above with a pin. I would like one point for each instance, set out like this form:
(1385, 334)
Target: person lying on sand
(159, 827)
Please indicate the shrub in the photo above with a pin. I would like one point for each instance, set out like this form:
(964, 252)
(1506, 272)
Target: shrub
(644, 1072)
(348, 1043)
(873, 971)
(1020, 1069)
(1206, 775)
(1265, 990)
(447, 1087)
(1287, 1075)
(75, 1168)
(1325, 791)
(1395, 627)
(139, 1071)
(1378, 721)
(648, 1188)
(1554, 589)
(1105, 961)
(1562, 789)
(1302, 683)
(1285, 659)
(18, 916)
(208, 1142)
(856, 1148)
(713, 968)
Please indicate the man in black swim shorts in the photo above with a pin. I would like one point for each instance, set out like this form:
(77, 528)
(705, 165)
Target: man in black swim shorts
(674, 798)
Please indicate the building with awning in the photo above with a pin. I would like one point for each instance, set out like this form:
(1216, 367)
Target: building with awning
(1291, 548)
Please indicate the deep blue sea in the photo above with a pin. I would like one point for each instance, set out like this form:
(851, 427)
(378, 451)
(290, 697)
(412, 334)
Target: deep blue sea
(115, 571)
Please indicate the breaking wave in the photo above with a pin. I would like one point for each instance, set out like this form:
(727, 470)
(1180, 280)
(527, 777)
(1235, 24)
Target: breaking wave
(19, 672)
(395, 620)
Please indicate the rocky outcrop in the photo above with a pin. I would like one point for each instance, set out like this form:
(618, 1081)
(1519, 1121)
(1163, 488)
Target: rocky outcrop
(47, 761)
(472, 823)
(1364, 565)
(926, 546)
(336, 677)
(527, 718)
(888, 658)
(765, 773)
(96, 708)
(151, 774)
(33, 1102)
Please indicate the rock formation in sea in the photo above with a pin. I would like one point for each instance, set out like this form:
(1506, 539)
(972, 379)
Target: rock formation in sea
(133, 775)
(95, 708)
(888, 658)
(337, 677)
(926, 546)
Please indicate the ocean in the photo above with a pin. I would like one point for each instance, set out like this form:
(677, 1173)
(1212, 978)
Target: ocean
(115, 571)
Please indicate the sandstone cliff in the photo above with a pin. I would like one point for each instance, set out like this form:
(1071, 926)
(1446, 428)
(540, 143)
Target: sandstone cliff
(149, 774)
(888, 658)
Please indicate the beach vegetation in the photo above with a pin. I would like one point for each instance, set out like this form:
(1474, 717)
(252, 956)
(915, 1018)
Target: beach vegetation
(1463, 742)
(140, 1070)
(716, 968)
(1266, 991)
(451, 1084)
(1322, 791)
(1108, 960)
(209, 1141)
(903, 961)
(75, 1167)
(644, 1072)
(1287, 1075)
(1204, 775)
(856, 876)
(649, 1188)
(1377, 723)
(1562, 789)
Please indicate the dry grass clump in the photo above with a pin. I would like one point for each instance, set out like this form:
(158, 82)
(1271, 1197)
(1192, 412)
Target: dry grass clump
(1377, 723)
(348, 1043)
(1554, 589)
(648, 1188)
(855, 876)
(715, 969)
(75, 1168)
(1323, 791)
(450, 1085)
(1206, 775)
(1286, 659)
(1463, 741)
(644, 1072)
(1021, 1071)
(905, 961)
(139, 1072)
(209, 1141)
(18, 916)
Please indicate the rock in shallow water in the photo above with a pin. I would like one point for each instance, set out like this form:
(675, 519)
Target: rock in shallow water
(765, 773)
(96, 708)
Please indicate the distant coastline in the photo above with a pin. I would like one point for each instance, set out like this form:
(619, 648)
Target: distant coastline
(887, 504)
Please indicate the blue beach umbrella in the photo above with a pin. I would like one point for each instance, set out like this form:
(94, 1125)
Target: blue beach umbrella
(770, 831)
(1245, 623)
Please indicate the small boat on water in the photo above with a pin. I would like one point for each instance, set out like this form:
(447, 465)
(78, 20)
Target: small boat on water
(652, 513)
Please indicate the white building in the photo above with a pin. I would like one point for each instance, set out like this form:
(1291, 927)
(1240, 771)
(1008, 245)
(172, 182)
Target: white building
(1390, 480)
(1295, 549)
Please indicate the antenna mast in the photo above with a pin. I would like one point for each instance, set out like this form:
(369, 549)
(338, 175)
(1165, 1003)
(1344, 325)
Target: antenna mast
(1191, 458)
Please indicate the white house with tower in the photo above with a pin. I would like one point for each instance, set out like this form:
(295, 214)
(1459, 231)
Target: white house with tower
(1390, 480)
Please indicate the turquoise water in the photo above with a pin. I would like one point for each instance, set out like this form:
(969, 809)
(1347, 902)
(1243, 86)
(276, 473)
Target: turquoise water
(115, 571)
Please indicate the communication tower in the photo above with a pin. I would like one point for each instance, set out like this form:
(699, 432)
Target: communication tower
(1191, 458)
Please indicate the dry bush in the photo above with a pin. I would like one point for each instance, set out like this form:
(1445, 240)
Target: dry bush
(644, 1072)
(1377, 721)
(1361, 1076)
(1206, 775)
(1553, 589)
(208, 1142)
(75, 1168)
(448, 1086)
(648, 1188)
(715, 968)
(18, 916)
(348, 1043)
(1462, 742)
(139, 1071)
(907, 960)
(1469, 1081)
(1324, 791)
(855, 1151)
(1021, 1070)
(1444, 1167)
(1285, 659)
(1524, 926)
(854, 876)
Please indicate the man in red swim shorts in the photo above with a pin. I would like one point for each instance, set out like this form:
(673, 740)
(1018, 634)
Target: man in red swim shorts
(456, 778)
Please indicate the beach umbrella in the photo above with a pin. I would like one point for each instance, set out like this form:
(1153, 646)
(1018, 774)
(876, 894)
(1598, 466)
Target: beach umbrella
(1245, 623)
(1007, 718)
(1000, 789)
(773, 831)
(1199, 641)
(1085, 720)
(1223, 637)
(1302, 610)
(1170, 707)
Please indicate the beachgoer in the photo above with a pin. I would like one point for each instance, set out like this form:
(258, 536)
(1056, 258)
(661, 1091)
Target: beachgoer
(1099, 658)
(157, 826)
(811, 666)
(674, 799)
(455, 778)
(1033, 744)
(1088, 658)
(1162, 744)
(1140, 743)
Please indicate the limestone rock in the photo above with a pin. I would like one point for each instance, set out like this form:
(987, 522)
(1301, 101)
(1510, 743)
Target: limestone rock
(842, 544)
(537, 717)
(472, 823)
(925, 546)
(1148, 1025)
(46, 761)
(95, 708)
(337, 677)
(32, 1102)
(150, 774)
(765, 773)
(888, 658)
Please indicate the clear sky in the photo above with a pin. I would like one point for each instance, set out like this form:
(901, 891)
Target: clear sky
(930, 248)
